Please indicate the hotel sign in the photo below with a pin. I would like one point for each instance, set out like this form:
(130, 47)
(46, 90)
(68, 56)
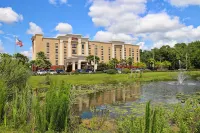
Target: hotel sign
(74, 39)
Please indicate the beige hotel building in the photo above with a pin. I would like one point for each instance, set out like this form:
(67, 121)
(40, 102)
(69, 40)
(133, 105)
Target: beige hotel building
(70, 51)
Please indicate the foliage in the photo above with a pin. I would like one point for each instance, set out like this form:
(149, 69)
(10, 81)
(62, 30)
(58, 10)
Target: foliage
(13, 73)
(54, 114)
(113, 62)
(23, 59)
(90, 59)
(186, 53)
(102, 67)
(41, 61)
(126, 70)
(140, 65)
(183, 119)
(111, 71)
(130, 61)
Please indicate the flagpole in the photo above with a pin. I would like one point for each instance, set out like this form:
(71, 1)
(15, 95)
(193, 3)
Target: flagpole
(15, 44)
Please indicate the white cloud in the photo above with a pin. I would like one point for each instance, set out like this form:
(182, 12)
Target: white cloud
(108, 36)
(122, 19)
(63, 1)
(1, 32)
(105, 13)
(63, 28)
(1, 47)
(34, 29)
(9, 38)
(27, 53)
(7, 15)
(160, 43)
(184, 3)
(55, 2)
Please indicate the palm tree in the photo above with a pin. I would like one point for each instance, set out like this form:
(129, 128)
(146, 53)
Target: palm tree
(151, 62)
(90, 59)
(113, 62)
(123, 62)
(130, 61)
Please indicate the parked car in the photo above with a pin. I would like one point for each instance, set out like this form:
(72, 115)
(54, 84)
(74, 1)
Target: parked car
(41, 72)
(52, 72)
(60, 71)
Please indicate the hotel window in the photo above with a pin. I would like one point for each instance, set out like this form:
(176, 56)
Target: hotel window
(56, 62)
(47, 44)
(124, 53)
(56, 50)
(83, 47)
(89, 52)
(89, 46)
(73, 51)
(56, 56)
(102, 58)
(73, 45)
(109, 58)
(132, 52)
(65, 51)
(56, 45)
(101, 52)
(129, 52)
(65, 45)
(101, 47)
(96, 50)
(109, 51)
(47, 55)
(47, 50)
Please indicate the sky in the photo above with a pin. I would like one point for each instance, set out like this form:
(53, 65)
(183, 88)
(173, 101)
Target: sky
(148, 23)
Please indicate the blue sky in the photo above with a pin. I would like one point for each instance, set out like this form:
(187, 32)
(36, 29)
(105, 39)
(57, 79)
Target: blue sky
(149, 23)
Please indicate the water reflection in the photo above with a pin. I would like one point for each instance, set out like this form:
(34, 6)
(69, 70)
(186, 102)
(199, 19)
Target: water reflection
(122, 94)
(125, 96)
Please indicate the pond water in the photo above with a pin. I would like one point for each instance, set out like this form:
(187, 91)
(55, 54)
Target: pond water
(124, 97)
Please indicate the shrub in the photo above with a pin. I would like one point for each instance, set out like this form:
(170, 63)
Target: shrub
(111, 71)
(126, 70)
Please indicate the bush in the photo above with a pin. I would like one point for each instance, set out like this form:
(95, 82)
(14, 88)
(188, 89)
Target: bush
(111, 71)
(126, 70)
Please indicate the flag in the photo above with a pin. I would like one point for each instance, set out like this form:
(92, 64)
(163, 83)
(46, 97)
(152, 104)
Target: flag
(19, 42)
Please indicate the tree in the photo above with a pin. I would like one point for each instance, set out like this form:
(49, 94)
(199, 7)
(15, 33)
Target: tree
(151, 62)
(41, 61)
(90, 59)
(123, 62)
(13, 73)
(21, 58)
(113, 63)
(140, 65)
(130, 61)
(166, 64)
(102, 66)
(158, 64)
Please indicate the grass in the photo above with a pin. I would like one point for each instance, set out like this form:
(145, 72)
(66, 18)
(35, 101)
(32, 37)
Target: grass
(91, 79)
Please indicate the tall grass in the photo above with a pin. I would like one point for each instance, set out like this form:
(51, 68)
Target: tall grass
(182, 119)
(53, 114)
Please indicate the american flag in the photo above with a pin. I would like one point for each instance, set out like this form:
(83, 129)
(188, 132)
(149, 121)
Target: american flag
(19, 42)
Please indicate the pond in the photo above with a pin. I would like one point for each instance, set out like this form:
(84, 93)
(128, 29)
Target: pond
(123, 97)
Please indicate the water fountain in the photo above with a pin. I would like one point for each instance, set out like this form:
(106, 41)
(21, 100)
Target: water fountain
(181, 77)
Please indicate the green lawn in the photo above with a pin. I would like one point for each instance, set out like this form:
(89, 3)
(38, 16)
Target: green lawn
(84, 79)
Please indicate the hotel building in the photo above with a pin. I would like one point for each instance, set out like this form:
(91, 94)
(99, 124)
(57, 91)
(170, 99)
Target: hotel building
(70, 51)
